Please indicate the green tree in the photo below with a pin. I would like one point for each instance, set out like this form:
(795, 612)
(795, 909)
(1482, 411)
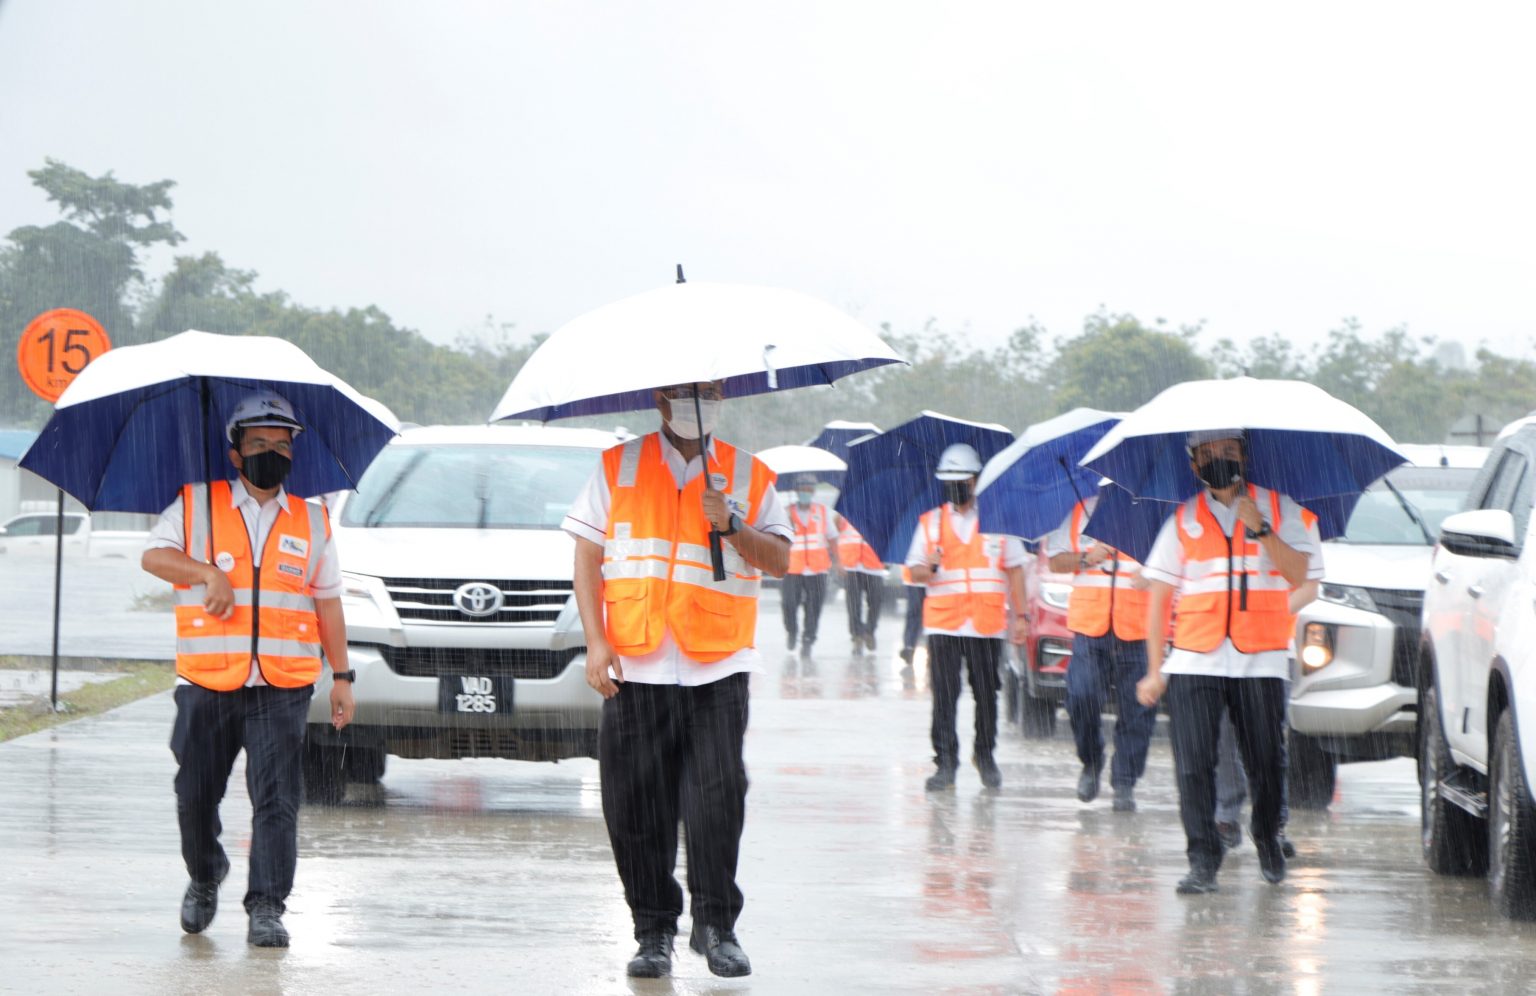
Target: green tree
(1118, 364)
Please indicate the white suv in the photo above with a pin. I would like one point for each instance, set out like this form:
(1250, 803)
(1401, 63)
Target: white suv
(1354, 687)
(460, 619)
(1477, 683)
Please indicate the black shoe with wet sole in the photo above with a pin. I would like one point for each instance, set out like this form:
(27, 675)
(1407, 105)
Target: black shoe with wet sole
(941, 780)
(991, 777)
(267, 930)
(654, 959)
(1271, 860)
(1198, 882)
(1229, 835)
(1125, 800)
(200, 903)
(1286, 847)
(720, 951)
(1088, 783)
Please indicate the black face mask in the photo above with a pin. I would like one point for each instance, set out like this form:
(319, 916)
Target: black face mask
(957, 492)
(1221, 472)
(267, 469)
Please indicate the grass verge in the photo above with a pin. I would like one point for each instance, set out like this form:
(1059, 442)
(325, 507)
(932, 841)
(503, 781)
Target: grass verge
(138, 679)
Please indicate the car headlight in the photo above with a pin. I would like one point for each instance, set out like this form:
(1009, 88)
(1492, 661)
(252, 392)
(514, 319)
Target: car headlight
(1316, 647)
(364, 601)
(1055, 594)
(1343, 594)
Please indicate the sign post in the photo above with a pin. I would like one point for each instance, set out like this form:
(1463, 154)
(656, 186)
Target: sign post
(55, 347)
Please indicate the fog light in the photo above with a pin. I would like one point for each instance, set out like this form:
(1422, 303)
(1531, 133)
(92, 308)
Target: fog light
(1317, 647)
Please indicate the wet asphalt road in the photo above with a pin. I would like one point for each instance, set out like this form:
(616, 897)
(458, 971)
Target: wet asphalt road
(495, 876)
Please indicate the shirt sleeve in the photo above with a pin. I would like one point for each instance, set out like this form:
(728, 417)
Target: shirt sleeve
(1060, 539)
(832, 529)
(327, 583)
(170, 531)
(1014, 554)
(1296, 534)
(917, 553)
(588, 517)
(1166, 561)
(771, 517)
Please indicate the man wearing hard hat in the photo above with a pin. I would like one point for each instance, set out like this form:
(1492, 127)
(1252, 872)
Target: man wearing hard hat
(975, 584)
(811, 557)
(258, 591)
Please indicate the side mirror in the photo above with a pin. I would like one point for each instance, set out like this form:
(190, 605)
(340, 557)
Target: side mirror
(1482, 532)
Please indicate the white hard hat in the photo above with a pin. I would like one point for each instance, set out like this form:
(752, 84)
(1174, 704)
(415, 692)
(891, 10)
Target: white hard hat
(262, 409)
(957, 462)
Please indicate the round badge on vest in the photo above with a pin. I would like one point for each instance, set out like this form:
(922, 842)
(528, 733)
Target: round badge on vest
(224, 561)
(717, 482)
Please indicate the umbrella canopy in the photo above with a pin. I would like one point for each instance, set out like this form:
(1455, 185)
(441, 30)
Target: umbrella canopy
(800, 461)
(1302, 441)
(890, 479)
(753, 339)
(1030, 487)
(836, 435)
(142, 421)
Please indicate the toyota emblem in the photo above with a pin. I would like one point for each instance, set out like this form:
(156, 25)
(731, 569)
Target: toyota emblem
(478, 599)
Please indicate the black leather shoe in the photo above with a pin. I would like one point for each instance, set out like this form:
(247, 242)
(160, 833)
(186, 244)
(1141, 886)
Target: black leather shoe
(869, 642)
(1271, 860)
(906, 657)
(1286, 847)
(1229, 835)
(987, 768)
(1125, 800)
(1088, 783)
(720, 950)
(941, 780)
(1198, 882)
(654, 959)
(267, 930)
(200, 903)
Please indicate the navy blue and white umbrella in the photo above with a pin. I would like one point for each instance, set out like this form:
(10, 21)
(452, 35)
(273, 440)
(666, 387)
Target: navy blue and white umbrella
(1028, 488)
(890, 480)
(142, 421)
(797, 463)
(836, 436)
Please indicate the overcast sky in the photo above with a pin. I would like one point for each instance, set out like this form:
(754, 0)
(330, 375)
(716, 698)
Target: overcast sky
(1264, 168)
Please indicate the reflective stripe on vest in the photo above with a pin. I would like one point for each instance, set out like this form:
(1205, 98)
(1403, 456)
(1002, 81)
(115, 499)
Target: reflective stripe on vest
(1216, 570)
(970, 584)
(808, 553)
(657, 575)
(1101, 599)
(273, 621)
(853, 553)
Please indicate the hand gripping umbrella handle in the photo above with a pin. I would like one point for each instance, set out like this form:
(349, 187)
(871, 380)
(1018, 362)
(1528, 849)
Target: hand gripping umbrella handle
(716, 554)
(716, 551)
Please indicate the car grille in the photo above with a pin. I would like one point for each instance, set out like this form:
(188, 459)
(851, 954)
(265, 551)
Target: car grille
(433, 662)
(1404, 609)
(523, 602)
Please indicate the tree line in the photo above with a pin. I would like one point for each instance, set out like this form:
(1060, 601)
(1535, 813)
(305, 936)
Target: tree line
(92, 258)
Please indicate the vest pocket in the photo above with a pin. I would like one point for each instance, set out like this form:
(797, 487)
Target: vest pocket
(721, 624)
(626, 604)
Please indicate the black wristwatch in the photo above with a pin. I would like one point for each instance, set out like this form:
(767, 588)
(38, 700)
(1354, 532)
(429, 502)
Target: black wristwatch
(735, 525)
(1262, 531)
(347, 676)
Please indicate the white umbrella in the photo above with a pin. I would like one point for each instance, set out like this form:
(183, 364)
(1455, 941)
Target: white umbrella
(754, 339)
(801, 460)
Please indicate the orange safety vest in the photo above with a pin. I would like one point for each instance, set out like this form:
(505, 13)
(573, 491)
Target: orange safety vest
(809, 553)
(853, 553)
(1101, 599)
(1216, 567)
(656, 568)
(970, 584)
(274, 622)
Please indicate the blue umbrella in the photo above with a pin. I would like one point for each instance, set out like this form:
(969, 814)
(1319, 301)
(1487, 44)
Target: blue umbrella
(836, 436)
(1028, 488)
(890, 479)
(142, 421)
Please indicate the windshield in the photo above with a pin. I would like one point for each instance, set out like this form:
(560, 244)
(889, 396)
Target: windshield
(470, 487)
(1434, 493)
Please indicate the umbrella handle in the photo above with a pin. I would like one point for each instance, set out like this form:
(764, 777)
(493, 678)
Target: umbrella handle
(716, 555)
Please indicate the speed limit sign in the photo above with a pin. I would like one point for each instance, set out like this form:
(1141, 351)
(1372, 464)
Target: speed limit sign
(56, 346)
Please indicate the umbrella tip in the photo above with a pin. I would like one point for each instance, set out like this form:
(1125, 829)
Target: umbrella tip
(680, 278)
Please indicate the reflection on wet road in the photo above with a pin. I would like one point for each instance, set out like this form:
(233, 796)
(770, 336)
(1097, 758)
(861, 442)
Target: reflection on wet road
(496, 876)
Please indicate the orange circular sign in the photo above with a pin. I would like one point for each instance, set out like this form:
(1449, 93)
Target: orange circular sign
(56, 346)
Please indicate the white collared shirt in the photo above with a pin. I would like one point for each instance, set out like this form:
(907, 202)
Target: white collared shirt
(667, 664)
(170, 533)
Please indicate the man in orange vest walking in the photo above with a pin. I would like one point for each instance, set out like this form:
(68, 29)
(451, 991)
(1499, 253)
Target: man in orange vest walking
(975, 583)
(671, 649)
(864, 581)
(1107, 614)
(1233, 553)
(258, 591)
(810, 560)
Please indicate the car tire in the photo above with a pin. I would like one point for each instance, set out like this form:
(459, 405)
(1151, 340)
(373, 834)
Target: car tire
(1453, 841)
(325, 774)
(1037, 719)
(1013, 695)
(365, 765)
(1311, 772)
(1511, 827)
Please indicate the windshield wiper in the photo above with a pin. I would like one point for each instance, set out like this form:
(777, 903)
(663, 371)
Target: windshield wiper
(387, 499)
(1413, 513)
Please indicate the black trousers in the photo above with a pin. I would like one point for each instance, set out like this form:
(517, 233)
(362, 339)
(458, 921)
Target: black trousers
(809, 590)
(914, 622)
(1257, 707)
(865, 594)
(210, 730)
(980, 657)
(666, 751)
